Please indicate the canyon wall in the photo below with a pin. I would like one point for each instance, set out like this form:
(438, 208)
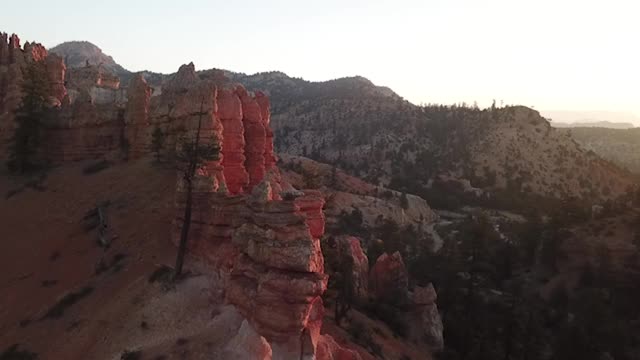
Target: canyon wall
(260, 236)
(14, 60)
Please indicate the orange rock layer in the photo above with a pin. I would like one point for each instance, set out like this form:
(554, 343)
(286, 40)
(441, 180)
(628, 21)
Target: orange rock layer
(266, 249)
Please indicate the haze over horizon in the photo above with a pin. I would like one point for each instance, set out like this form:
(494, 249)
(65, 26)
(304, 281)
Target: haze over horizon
(576, 55)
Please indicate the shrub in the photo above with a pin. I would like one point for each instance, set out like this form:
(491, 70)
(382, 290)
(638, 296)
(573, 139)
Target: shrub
(96, 167)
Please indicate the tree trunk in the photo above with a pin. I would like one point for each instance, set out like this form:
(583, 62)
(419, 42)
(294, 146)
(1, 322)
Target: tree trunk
(188, 177)
(184, 234)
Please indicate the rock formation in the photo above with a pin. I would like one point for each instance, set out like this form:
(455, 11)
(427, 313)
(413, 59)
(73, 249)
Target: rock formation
(424, 319)
(265, 111)
(13, 62)
(137, 116)
(255, 136)
(418, 309)
(263, 243)
(230, 114)
(388, 279)
(279, 276)
(57, 71)
(357, 264)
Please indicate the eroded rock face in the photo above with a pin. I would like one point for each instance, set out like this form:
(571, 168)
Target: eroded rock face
(357, 265)
(137, 116)
(255, 136)
(279, 278)
(13, 62)
(248, 344)
(184, 79)
(328, 349)
(233, 161)
(265, 111)
(56, 71)
(388, 279)
(265, 250)
(425, 323)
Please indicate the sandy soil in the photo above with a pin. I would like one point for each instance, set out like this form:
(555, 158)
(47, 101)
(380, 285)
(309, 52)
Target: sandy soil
(47, 254)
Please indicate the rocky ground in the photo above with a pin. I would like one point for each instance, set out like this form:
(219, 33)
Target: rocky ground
(64, 296)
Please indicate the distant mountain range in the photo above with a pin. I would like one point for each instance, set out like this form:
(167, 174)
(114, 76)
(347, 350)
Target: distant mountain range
(621, 146)
(595, 124)
(602, 119)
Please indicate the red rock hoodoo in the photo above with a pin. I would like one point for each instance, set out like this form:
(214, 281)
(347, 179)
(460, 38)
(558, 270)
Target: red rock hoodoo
(388, 279)
(255, 136)
(230, 114)
(261, 242)
(137, 116)
(357, 265)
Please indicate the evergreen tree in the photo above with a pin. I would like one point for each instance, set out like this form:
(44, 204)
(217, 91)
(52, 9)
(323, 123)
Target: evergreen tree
(157, 142)
(25, 143)
(192, 155)
(404, 202)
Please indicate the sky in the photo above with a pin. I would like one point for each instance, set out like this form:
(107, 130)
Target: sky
(578, 55)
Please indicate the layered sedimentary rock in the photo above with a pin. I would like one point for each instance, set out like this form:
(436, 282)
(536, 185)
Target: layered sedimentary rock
(34, 52)
(388, 279)
(56, 71)
(184, 79)
(265, 112)
(279, 277)
(418, 309)
(263, 242)
(230, 114)
(14, 60)
(255, 136)
(424, 319)
(356, 264)
(137, 116)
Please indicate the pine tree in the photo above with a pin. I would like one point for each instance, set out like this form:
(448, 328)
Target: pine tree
(25, 143)
(157, 142)
(404, 201)
(191, 156)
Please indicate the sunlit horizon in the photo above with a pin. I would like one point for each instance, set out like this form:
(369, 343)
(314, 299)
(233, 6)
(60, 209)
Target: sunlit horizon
(573, 56)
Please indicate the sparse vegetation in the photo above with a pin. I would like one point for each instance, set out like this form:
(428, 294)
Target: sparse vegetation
(131, 355)
(15, 353)
(193, 153)
(96, 167)
(26, 141)
(157, 142)
(66, 302)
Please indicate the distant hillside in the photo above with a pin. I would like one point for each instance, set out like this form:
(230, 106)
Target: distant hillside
(621, 146)
(375, 134)
(596, 124)
(606, 119)
(79, 53)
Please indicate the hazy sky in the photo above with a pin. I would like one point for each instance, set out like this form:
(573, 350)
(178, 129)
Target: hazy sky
(561, 54)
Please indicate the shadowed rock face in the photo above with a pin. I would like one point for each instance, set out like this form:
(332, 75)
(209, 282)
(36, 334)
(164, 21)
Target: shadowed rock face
(13, 62)
(389, 279)
(357, 266)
